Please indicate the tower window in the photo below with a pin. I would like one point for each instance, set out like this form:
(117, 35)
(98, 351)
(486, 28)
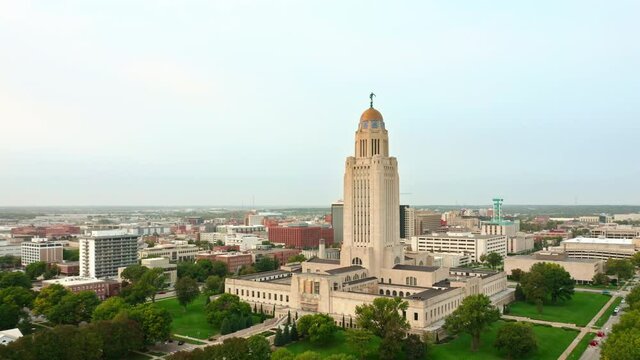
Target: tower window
(356, 261)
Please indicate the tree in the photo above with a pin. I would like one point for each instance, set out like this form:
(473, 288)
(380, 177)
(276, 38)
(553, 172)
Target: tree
(52, 271)
(622, 345)
(266, 264)
(559, 283)
(152, 281)
(224, 306)
(319, 327)
(516, 274)
(278, 339)
(340, 357)
(282, 354)
(294, 332)
(214, 285)
(483, 258)
(534, 288)
(9, 316)
(474, 314)
(71, 254)
(154, 321)
(259, 348)
(600, 279)
(226, 327)
(359, 340)
(35, 269)
(9, 262)
(630, 320)
(623, 268)
(190, 269)
(48, 297)
(414, 347)
(218, 268)
(186, 291)
(286, 335)
(74, 308)
(119, 336)
(635, 259)
(18, 296)
(383, 317)
(633, 298)
(14, 278)
(133, 273)
(296, 258)
(109, 309)
(516, 340)
(494, 259)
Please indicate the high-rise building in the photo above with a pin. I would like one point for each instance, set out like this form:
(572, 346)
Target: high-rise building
(407, 222)
(371, 199)
(427, 222)
(102, 253)
(337, 219)
(40, 249)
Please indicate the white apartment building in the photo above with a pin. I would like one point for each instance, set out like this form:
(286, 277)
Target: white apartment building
(244, 241)
(522, 242)
(40, 249)
(173, 252)
(102, 253)
(467, 243)
(598, 248)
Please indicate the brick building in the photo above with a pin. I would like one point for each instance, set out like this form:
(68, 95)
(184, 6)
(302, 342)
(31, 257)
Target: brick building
(102, 288)
(301, 237)
(233, 260)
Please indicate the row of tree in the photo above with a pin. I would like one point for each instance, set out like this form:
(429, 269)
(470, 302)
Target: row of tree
(623, 343)
(201, 269)
(255, 347)
(108, 340)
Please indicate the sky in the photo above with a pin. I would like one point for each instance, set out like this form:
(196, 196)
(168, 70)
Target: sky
(256, 102)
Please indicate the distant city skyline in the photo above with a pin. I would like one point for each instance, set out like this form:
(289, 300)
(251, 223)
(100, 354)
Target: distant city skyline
(257, 102)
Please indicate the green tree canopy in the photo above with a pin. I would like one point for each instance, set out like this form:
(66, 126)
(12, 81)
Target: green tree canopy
(74, 308)
(18, 296)
(133, 273)
(633, 298)
(14, 278)
(71, 254)
(383, 317)
(282, 354)
(473, 315)
(49, 297)
(547, 281)
(622, 345)
(516, 340)
(119, 337)
(494, 259)
(319, 327)
(359, 340)
(109, 309)
(154, 321)
(296, 258)
(623, 268)
(225, 306)
(35, 269)
(187, 290)
(214, 285)
(266, 264)
(259, 348)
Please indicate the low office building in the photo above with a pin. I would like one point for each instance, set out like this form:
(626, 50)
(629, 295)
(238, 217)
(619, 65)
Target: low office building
(40, 249)
(616, 231)
(102, 288)
(170, 270)
(598, 248)
(172, 252)
(69, 268)
(520, 243)
(581, 270)
(467, 243)
(233, 260)
(243, 241)
(452, 259)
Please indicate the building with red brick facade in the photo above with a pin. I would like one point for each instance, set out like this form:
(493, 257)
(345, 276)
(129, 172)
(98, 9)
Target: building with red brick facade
(102, 288)
(301, 237)
(233, 260)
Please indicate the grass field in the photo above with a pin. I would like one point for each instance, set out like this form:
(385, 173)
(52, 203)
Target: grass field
(192, 323)
(337, 346)
(603, 319)
(551, 343)
(582, 307)
(581, 347)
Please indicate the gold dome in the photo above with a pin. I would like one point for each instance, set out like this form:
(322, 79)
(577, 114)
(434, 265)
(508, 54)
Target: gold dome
(371, 114)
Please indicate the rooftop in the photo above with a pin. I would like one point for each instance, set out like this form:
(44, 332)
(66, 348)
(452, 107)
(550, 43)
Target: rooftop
(363, 280)
(72, 281)
(345, 269)
(585, 240)
(429, 293)
(564, 259)
(416, 268)
(323, 261)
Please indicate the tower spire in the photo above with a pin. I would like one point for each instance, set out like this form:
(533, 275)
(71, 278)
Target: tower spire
(371, 98)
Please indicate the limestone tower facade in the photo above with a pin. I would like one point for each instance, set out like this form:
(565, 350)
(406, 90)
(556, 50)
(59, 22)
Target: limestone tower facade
(371, 199)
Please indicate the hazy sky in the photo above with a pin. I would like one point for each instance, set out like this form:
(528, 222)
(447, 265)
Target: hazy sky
(214, 103)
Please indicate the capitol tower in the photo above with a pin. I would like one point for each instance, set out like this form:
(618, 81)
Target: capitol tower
(371, 199)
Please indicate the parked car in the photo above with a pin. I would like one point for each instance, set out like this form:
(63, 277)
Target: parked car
(180, 342)
(600, 334)
(594, 343)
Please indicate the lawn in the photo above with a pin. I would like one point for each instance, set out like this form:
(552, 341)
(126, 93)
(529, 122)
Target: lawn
(603, 319)
(337, 346)
(582, 307)
(191, 323)
(581, 347)
(551, 343)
